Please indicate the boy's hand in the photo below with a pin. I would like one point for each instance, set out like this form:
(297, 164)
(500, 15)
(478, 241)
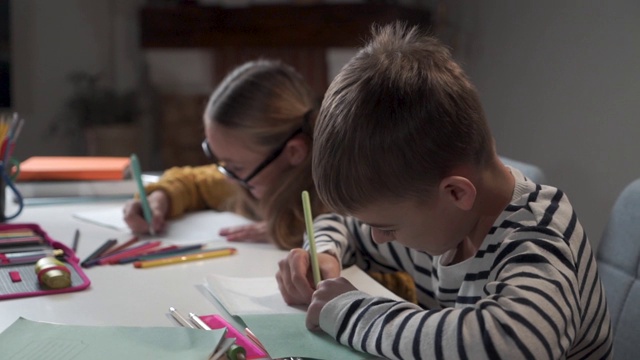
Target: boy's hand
(246, 233)
(327, 290)
(295, 278)
(133, 216)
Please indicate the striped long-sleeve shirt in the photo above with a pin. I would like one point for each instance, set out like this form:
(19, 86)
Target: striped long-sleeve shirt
(531, 291)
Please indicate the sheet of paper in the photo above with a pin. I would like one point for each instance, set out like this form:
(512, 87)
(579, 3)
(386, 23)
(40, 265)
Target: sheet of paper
(26, 339)
(260, 295)
(256, 295)
(110, 217)
(194, 227)
(292, 338)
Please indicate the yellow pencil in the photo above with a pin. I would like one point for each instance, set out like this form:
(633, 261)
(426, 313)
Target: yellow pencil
(183, 258)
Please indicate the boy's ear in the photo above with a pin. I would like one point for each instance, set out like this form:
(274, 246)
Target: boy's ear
(297, 150)
(460, 191)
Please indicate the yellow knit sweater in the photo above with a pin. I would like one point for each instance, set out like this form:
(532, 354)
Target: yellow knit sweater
(194, 188)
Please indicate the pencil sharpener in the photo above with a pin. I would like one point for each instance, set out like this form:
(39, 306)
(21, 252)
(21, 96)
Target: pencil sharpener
(53, 273)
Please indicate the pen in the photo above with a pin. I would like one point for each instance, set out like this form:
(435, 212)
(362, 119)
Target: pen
(179, 318)
(165, 252)
(23, 240)
(27, 257)
(76, 238)
(183, 258)
(146, 209)
(140, 249)
(16, 233)
(198, 322)
(99, 251)
(122, 246)
(308, 219)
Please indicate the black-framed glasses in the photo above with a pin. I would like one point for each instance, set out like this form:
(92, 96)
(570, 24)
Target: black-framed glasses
(245, 182)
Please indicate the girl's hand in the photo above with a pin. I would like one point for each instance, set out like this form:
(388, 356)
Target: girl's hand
(246, 233)
(327, 290)
(133, 215)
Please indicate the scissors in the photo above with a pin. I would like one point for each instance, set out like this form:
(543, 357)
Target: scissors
(7, 179)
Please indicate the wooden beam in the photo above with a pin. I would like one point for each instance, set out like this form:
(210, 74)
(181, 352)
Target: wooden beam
(321, 25)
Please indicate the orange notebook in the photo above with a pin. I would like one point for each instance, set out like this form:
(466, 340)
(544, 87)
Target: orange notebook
(74, 168)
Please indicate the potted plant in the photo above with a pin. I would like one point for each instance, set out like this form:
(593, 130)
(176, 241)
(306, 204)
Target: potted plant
(104, 118)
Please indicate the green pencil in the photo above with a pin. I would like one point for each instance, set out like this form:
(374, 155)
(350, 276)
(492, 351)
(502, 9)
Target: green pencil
(137, 175)
(308, 220)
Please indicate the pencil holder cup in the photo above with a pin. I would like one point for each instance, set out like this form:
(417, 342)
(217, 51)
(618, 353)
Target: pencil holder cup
(6, 183)
(3, 195)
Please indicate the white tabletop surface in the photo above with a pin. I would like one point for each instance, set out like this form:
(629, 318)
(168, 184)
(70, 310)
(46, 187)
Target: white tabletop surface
(125, 296)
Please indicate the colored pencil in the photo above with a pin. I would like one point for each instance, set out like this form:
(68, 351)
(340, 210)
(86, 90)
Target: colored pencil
(162, 253)
(184, 258)
(308, 219)
(104, 247)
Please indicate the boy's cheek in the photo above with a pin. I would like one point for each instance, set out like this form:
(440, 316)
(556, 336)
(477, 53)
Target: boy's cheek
(380, 237)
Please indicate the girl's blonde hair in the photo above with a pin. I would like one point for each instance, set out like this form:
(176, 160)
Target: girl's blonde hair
(268, 101)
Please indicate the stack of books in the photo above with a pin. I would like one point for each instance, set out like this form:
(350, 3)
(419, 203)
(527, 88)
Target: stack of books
(47, 178)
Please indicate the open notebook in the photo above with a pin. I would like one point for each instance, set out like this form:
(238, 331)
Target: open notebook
(280, 327)
(26, 339)
(260, 295)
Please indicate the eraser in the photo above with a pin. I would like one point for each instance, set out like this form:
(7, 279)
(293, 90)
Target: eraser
(15, 276)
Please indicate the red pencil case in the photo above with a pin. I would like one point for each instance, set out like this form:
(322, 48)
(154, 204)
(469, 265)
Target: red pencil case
(20, 280)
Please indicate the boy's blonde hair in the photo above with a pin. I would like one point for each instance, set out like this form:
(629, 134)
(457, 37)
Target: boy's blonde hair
(396, 120)
(268, 101)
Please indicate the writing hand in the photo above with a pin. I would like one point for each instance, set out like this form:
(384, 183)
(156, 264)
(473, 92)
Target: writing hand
(295, 279)
(134, 218)
(327, 290)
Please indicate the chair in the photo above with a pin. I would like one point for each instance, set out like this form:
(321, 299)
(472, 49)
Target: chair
(619, 267)
(533, 172)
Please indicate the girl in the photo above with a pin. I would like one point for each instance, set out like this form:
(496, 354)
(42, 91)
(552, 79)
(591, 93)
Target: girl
(258, 126)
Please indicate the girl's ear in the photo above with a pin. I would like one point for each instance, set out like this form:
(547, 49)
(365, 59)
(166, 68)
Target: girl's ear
(460, 191)
(297, 150)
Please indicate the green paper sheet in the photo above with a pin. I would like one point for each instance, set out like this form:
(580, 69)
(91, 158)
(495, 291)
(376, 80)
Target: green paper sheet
(26, 339)
(286, 335)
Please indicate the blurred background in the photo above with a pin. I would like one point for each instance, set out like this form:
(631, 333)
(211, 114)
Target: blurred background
(560, 80)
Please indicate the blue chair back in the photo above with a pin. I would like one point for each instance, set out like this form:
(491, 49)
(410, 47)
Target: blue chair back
(532, 172)
(619, 267)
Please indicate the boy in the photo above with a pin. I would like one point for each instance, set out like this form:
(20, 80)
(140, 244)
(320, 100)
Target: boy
(502, 266)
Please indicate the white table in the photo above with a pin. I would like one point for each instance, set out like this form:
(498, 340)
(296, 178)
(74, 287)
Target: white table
(122, 295)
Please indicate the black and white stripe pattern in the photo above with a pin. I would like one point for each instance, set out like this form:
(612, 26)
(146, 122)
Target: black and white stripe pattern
(532, 290)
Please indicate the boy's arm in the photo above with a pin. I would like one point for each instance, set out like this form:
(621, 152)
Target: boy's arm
(521, 313)
(193, 188)
(350, 241)
(331, 235)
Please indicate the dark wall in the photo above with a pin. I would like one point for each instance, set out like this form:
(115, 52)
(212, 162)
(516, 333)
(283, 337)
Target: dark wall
(5, 56)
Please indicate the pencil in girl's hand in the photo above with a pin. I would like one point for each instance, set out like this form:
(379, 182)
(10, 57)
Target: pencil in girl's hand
(137, 176)
(308, 219)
